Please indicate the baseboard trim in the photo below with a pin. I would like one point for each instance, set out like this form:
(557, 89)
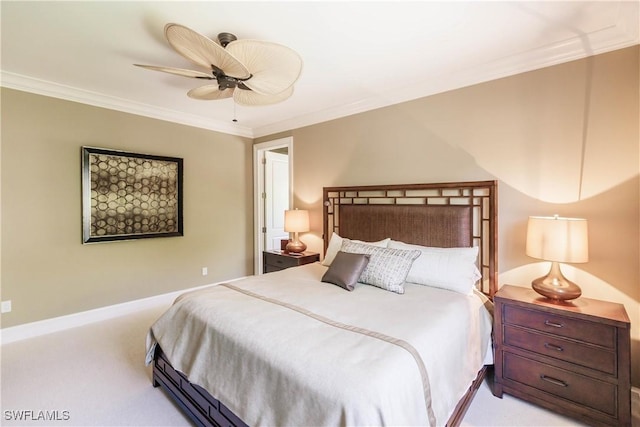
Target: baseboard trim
(56, 324)
(635, 403)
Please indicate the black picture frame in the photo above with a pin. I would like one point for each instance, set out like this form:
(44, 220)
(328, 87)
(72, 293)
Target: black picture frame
(129, 196)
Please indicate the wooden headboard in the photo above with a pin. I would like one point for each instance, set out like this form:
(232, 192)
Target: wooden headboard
(455, 214)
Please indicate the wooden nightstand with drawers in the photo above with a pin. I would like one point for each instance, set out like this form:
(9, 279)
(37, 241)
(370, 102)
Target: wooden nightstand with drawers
(572, 357)
(278, 260)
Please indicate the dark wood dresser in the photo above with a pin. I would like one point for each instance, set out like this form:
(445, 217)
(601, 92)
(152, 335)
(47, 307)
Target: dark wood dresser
(572, 357)
(278, 260)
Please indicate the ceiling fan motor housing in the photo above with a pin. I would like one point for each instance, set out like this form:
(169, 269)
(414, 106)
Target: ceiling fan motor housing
(226, 38)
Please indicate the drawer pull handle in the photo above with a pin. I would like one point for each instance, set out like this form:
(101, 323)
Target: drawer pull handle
(552, 347)
(553, 381)
(553, 324)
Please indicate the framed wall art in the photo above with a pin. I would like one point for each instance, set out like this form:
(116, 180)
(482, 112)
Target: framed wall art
(130, 196)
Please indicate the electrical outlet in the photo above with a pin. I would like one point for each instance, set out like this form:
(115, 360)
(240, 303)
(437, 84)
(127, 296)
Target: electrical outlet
(6, 306)
(205, 271)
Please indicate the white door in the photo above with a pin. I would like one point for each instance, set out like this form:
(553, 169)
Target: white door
(276, 198)
(261, 197)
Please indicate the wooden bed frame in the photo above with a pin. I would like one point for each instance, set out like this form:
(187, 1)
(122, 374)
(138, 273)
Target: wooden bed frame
(458, 214)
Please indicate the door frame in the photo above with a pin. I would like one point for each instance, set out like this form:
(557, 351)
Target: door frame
(258, 190)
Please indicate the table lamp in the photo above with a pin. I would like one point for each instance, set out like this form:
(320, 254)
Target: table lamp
(557, 239)
(296, 221)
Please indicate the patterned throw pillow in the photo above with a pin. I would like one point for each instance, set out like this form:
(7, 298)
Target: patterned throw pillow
(387, 268)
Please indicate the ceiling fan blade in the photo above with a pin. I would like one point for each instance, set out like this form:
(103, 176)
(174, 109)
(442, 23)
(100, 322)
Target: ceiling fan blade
(210, 92)
(251, 98)
(274, 68)
(179, 71)
(203, 51)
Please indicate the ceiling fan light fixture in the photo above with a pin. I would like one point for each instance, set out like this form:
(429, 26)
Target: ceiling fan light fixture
(265, 72)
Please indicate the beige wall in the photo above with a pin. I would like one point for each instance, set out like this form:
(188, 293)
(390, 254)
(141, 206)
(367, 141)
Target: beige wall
(48, 272)
(564, 140)
(560, 140)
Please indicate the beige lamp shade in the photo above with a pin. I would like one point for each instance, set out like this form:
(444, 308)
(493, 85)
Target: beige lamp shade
(296, 221)
(557, 239)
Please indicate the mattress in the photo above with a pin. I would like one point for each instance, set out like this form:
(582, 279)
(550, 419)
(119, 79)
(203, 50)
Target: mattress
(287, 349)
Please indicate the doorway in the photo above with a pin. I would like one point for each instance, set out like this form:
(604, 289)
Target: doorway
(273, 194)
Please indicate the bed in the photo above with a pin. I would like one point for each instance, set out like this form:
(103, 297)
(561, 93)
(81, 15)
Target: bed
(288, 348)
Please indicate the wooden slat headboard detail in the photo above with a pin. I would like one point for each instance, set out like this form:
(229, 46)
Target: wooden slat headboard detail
(457, 214)
(424, 225)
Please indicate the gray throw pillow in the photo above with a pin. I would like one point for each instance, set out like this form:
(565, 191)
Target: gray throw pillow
(387, 268)
(345, 270)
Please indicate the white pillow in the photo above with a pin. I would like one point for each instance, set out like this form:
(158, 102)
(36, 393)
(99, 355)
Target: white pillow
(454, 269)
(335, 244)
(387, 268)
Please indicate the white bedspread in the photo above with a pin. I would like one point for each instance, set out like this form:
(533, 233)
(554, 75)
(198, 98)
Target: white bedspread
(286, 349)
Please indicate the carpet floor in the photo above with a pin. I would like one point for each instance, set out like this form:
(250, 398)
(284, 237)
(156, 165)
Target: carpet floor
(94, 375)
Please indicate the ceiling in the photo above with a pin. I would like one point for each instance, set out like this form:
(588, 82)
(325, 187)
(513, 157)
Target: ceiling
(357, 55)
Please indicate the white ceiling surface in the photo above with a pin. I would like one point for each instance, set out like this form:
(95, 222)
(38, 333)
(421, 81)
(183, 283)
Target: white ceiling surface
(357, 55)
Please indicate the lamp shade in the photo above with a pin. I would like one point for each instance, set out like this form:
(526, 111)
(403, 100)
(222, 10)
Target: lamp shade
(296, 220)
(557, 239)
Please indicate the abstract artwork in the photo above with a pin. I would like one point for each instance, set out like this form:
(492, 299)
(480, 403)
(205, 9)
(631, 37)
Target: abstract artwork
(129, 195)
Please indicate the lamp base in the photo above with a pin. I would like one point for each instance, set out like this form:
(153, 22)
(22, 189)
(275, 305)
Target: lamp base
(555, 286)
(296, 246)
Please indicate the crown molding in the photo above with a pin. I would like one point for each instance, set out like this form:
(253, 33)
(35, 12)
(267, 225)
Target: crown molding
(623, 33)
(55, 90)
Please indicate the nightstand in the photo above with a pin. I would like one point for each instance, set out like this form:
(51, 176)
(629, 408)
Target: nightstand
(278, 260)
(572, 358)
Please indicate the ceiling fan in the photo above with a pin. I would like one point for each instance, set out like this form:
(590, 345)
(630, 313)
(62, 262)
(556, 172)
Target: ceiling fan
(253, 72)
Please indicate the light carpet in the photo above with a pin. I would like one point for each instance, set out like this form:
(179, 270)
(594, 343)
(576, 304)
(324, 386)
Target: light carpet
(94, 375)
